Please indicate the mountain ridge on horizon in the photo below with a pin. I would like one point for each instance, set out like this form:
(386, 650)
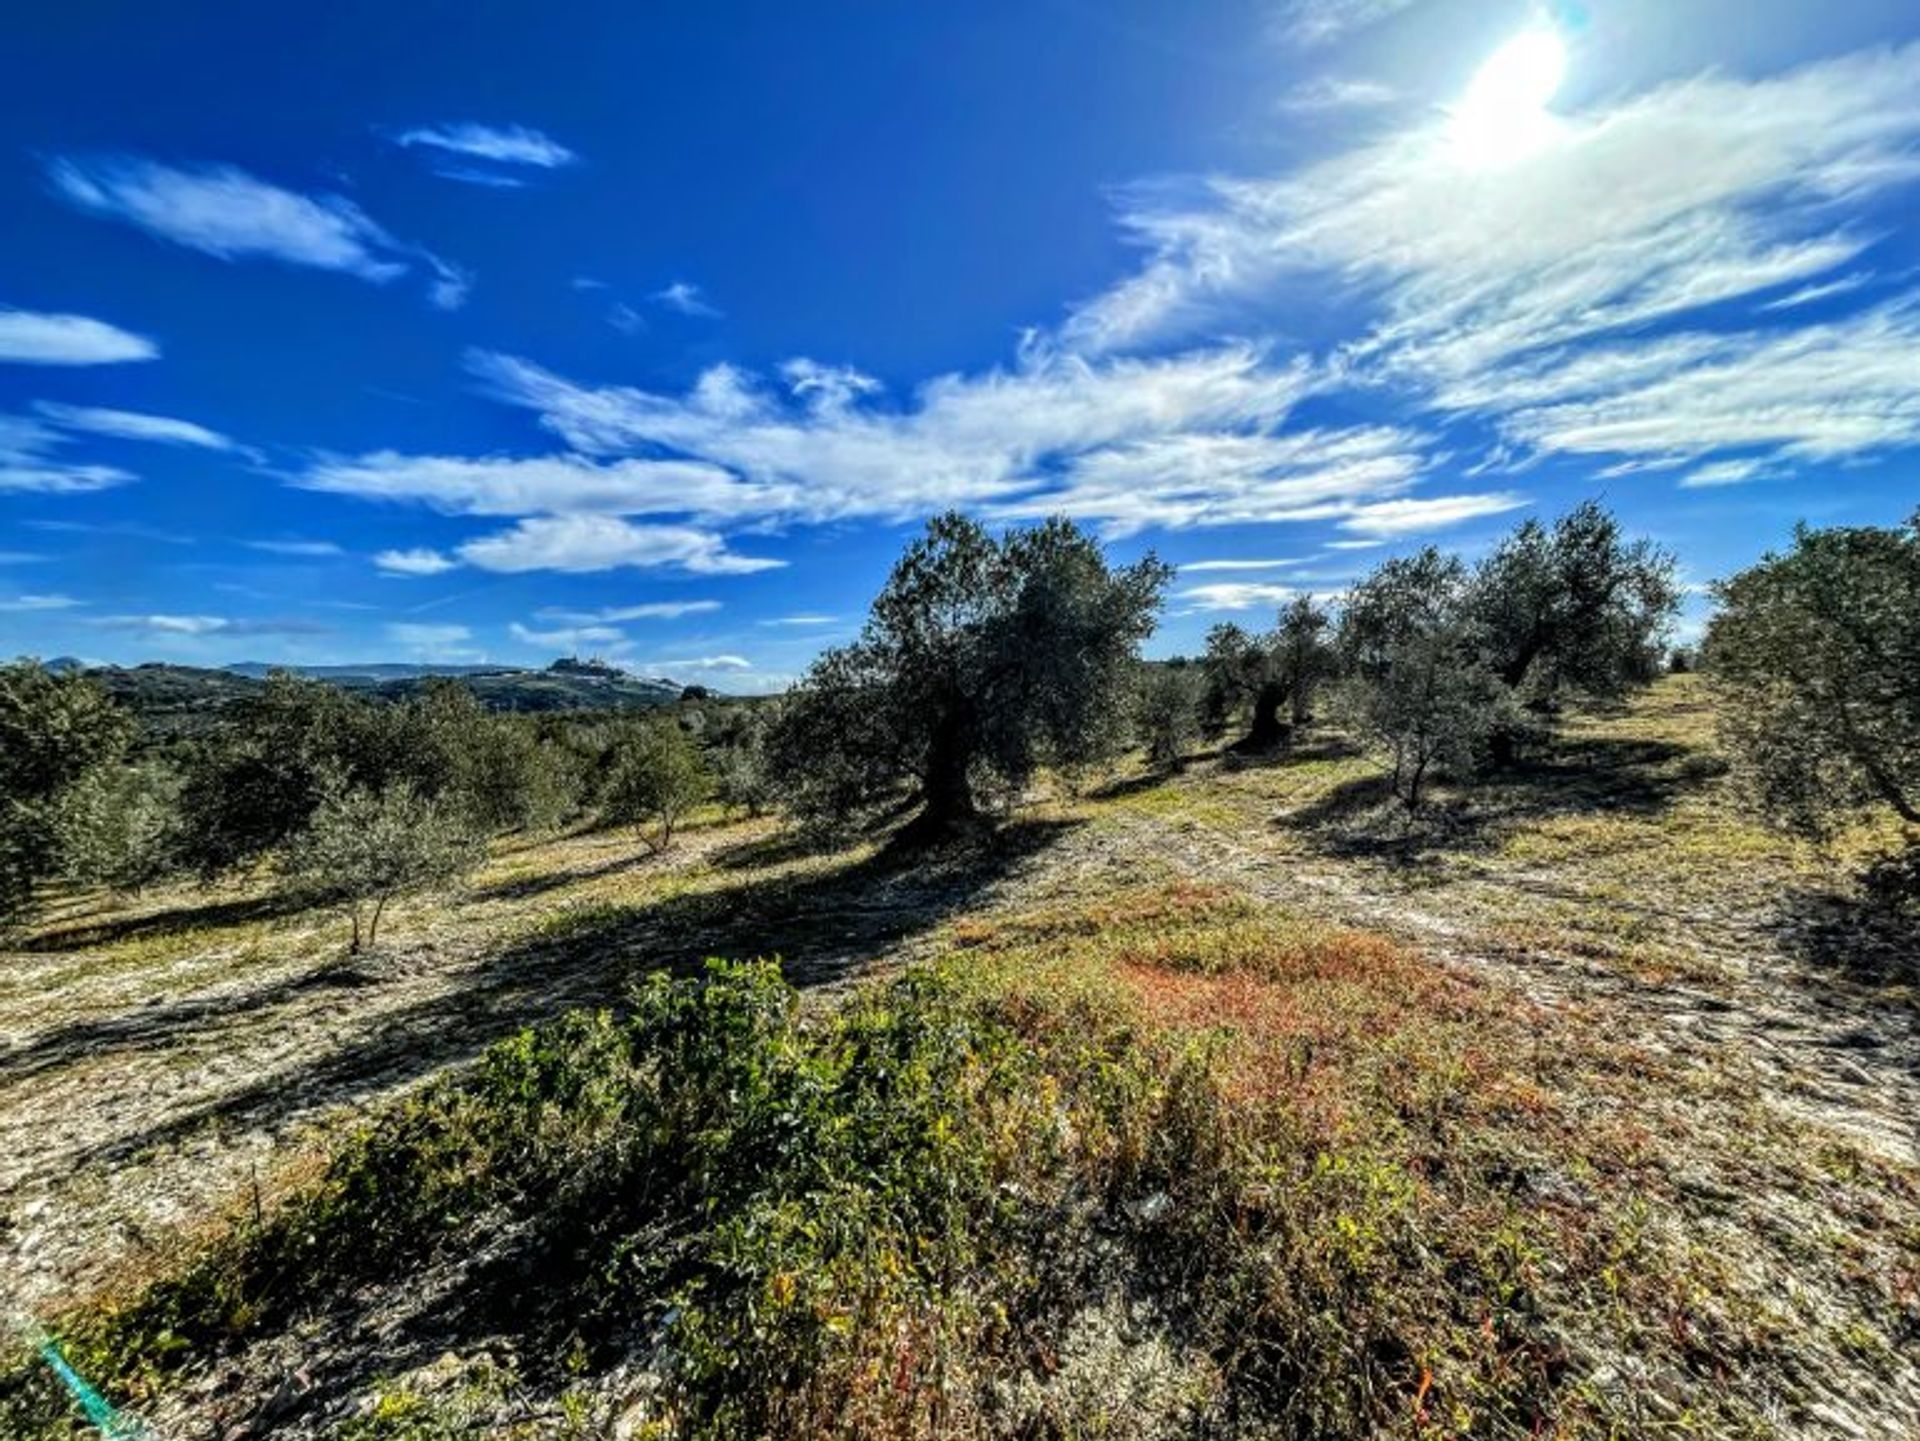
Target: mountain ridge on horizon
(159, 689)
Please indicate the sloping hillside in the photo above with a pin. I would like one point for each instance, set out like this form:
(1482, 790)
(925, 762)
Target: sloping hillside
(1224, 1105)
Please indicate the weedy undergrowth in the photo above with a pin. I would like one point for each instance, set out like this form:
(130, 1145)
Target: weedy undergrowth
(1177, 1167)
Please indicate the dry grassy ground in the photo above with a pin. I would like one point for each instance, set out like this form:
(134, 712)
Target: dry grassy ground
(1689, 1066)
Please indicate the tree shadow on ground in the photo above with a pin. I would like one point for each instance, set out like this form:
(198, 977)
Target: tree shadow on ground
(1840, 935)
(823, 926)
(1312, 743)
(1121, 787)
(1859, 963)
(521, 888)
(790, 843)
(1361, 818)
(157, 1026)
(207, 915)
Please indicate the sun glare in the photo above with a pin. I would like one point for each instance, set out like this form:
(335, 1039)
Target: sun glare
(1503, 116)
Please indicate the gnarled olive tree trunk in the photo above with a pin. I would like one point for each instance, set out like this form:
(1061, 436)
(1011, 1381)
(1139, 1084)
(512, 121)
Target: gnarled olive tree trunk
(945, 784)
(1268, 731)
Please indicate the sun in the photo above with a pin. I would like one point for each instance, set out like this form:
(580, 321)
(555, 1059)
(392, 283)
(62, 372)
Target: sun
(1503, 115)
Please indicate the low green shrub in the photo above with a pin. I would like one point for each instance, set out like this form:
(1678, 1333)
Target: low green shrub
(909, 1216)
(821, 1224)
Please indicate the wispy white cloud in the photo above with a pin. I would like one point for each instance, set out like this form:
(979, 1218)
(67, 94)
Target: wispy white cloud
(166, 624)
(29, 464)
(1310, 23)
(803, 619)
(1826, 290)
(501, 144)
(418, 561)
(1820, 392)
(1178, 440)
(1723, 472)
(621, 614)
(132, 425)
(60, 479)
(694, 663)
(206, 625)
(1206, 565)
(1126, 444)
(830, 388)
(1648, 208)
(450, 286)
(30, 337)
(21, 603)
(1389, 518)
(495, 485)
(223, 211)
(303, 549)
(1234, 595)
(1551, 292)
(963, 437)
(473, 175)
(686, 298)
(1326, 93)
(588, 543)
(1177, 481)
(1057, 434)
(606, 638)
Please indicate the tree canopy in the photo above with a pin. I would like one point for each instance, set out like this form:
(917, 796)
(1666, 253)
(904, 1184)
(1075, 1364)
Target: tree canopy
(1416, 683)
(1264, 674)
(362, 848)
(1815, 656)
(55, 731)
(253, 785)
(658, 777)
(981, 659)
(1572, 607)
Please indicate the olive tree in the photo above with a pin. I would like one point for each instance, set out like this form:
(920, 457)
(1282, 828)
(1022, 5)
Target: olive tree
(255, 783)
(118, 825)
(1415, 685)
(1268, 674)
(55, 730)
(982, 658)
(1814, 659)
(1167, 713)
(1303, 655)
(743, 776)
(509, 779)
(444, 743)
(658, 776)
(1450, 668)
(362, 848)
(1573, 607)
(1238, 671)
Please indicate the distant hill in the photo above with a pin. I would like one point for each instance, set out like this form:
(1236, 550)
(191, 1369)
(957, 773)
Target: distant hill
(172, 696)
(546, 690)
(370, 672)
(178, 698)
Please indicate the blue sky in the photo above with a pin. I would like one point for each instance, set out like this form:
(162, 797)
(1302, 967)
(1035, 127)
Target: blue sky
(495, 333)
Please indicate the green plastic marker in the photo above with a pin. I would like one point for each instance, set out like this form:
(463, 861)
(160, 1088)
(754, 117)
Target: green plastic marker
(101, 1412)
